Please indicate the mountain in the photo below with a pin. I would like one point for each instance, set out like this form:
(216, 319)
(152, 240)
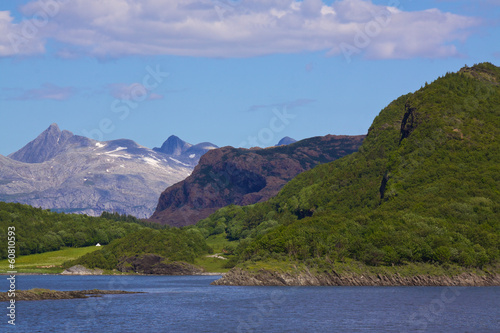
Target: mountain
(419, 199)
(173, 146)
(184, 152)
(228, 176)
(71, 173)
(47, 145)
(286, 141)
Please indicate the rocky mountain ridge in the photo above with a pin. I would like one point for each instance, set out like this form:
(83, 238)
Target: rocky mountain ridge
(71, 173)
(245, 176)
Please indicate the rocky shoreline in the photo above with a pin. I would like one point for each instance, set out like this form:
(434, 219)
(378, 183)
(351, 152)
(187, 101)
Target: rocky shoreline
(44, 294)
(239, 277)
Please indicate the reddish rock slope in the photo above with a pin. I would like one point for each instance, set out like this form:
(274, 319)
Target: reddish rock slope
(245, 176)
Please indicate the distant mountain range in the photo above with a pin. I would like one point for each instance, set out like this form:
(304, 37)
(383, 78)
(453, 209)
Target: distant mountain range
(183, 151)
(71, 173)
(244, 176)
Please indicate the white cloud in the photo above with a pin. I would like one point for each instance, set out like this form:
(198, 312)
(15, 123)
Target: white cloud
(47, 91)
(18, 38)
(216, 28)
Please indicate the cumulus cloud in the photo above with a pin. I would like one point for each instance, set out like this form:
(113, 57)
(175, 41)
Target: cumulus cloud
(47, 91)
(217, 28)
(18, 38)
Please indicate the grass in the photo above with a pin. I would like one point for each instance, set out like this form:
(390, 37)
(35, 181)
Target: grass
(46, 263)
(218, 242)
(215, 265)
(212, 265)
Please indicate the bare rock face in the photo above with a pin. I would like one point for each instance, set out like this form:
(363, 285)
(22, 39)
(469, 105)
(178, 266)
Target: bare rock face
(81, 270)
(239, 277)
(245, 176)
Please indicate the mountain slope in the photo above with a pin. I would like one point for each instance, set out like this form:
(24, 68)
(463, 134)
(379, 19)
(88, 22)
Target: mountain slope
(245, 176)
(70, 173)
(422, 189)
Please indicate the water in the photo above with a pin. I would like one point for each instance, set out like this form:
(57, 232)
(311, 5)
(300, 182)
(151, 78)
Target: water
(190, 304)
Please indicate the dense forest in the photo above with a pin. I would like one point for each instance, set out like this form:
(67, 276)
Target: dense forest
(39, 230)
(173, 244)
(423, 188)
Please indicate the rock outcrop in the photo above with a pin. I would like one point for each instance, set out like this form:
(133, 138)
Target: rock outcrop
(81, 270)
(37, 294)
(245, 176)
(239, 277)
(155, 264)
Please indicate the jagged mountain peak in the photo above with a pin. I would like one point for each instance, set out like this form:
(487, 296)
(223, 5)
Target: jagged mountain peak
(44, 147)
(183, 151)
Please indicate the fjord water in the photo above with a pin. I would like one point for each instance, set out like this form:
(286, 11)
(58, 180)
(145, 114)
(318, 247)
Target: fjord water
(191, 304)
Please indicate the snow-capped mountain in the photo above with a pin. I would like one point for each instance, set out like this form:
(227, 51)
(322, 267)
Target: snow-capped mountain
(71, 173)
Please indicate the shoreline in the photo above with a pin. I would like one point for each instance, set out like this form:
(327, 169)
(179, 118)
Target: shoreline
(131, 274)
(37, 294)
(263, 277)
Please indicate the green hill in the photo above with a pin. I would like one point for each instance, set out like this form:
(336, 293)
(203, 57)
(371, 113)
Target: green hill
(147, 250)
(423, 189)
(39, 230)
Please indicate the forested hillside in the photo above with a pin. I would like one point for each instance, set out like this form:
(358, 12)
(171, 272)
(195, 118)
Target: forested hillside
(38, 230)
(423, 188)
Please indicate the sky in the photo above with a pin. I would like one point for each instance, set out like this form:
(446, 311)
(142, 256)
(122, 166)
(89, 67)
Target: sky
(240, 73)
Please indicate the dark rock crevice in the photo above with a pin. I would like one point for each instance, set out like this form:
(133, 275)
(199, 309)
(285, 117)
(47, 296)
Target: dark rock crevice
(383, 185)
(410, 121)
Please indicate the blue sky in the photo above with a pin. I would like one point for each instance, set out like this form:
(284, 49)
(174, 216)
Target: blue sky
(238, 73)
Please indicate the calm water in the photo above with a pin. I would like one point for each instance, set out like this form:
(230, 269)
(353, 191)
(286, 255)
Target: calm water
(190, 304)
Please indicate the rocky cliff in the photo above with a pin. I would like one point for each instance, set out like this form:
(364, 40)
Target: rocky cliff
(245, 176)
(238, 277)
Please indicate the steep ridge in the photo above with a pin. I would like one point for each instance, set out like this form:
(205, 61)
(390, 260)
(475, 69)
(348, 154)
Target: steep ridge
(422, 189)
(245, 176)
(47, 145)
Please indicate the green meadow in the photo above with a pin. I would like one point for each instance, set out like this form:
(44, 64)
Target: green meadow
(47, 262)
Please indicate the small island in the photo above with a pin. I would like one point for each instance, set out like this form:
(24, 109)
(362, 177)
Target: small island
(38, 294)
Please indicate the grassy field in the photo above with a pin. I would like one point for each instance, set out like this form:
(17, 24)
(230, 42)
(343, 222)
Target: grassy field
(218, 242)
(48, 262)
(212, 265)
(215, 265)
